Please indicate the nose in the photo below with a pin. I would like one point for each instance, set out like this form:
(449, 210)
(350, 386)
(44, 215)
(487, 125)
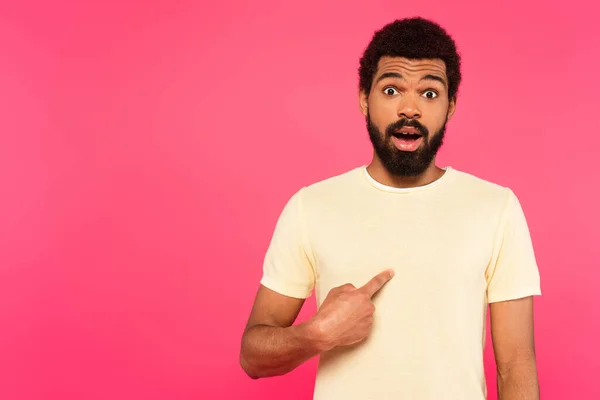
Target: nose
(409, 108)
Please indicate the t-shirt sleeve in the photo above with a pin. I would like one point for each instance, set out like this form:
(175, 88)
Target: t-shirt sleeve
(514, 273)
(288, 266)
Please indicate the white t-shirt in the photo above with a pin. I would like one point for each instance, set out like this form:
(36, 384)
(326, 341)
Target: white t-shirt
(455, 245)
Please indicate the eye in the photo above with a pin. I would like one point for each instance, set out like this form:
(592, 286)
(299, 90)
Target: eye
(390, 91)
(430, 94)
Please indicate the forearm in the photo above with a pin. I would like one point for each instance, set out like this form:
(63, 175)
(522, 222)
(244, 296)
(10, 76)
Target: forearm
(518, 382)
(271, 351)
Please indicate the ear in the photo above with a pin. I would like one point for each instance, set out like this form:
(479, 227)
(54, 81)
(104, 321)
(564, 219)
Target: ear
(363, 102)
(451, 107)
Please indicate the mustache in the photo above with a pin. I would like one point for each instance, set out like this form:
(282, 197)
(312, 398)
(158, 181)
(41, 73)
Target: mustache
(407, 122)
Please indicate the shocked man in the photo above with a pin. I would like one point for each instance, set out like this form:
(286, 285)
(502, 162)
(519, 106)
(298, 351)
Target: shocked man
(404, 257)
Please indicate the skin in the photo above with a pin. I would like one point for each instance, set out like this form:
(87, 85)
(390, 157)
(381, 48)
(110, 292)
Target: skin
(409, 96)
(512, 329)
(272, 345)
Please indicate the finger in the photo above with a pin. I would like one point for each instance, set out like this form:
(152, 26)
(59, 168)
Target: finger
(377, 282)
(347, 287)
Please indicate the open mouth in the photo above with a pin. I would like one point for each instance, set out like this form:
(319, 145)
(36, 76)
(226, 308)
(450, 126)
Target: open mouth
(407, 139)
(407, 136)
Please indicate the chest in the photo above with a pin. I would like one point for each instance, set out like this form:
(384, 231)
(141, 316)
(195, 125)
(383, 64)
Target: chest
(434, 247)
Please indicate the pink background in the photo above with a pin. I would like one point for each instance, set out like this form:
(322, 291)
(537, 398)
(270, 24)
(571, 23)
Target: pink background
(146, 151)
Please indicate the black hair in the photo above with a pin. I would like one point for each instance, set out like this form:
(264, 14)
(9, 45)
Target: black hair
(412, 38)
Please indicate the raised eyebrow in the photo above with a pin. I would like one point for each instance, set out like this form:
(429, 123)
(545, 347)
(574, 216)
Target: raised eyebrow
(428, 77)
(434, 78)
(389, 75)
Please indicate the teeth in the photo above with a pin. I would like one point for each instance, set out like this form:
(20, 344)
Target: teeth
(406, 134)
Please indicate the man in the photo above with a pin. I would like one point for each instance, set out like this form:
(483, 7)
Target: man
(404, 257)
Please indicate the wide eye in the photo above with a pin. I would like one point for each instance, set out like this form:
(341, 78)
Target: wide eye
(430, 94)
(390, 91)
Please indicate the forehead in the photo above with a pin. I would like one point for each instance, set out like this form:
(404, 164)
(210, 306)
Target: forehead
(407, 67)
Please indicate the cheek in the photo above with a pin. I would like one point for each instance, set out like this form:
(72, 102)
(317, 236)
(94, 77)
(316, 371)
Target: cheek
(383, 114)
(434, 116)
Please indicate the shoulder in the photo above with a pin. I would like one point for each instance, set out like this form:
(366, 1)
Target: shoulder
(481, 189)
(327, 192)
(482, 194)
(336, 185)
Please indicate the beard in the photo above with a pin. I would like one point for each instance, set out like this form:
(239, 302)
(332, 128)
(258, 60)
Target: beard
(405, 163)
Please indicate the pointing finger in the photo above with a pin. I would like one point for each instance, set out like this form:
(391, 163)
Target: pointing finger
(377, 282)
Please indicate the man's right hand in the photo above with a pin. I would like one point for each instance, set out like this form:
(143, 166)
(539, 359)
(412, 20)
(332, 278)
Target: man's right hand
(346, 315)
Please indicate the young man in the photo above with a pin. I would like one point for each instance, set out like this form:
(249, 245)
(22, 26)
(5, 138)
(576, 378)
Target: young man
(404, 257)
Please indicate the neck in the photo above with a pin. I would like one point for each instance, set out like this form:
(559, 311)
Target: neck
(383, 176)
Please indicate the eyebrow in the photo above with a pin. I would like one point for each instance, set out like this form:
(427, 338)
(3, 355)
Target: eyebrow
(428, 77)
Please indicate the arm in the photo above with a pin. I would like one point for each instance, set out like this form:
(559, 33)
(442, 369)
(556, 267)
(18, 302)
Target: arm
(514, 349)
(270, 344)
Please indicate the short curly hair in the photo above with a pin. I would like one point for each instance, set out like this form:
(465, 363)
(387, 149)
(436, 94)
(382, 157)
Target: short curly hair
(412, 38)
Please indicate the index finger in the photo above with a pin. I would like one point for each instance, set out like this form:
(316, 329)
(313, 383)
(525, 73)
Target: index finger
(377, 282)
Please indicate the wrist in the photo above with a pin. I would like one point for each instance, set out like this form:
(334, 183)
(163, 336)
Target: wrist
(314, 337)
